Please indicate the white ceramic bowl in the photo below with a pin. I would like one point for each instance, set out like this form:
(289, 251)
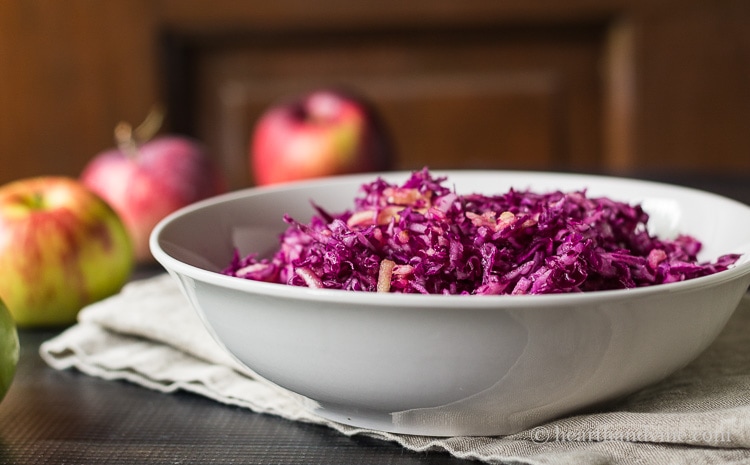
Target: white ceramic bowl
(453, 365)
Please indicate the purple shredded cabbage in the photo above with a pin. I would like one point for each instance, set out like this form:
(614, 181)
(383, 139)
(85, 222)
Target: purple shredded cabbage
(422, 237)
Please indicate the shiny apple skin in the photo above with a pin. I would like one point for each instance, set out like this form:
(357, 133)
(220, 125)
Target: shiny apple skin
(61, 248)
(162, 176)
(322, 133)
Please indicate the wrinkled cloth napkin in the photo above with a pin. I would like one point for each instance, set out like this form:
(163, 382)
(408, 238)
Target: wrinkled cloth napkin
(149, 335)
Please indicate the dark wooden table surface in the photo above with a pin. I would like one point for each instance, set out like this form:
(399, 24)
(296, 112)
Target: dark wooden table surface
(65, 417)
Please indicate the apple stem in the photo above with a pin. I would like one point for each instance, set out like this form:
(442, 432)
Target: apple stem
(151, 125)
(125, 140)
(33, 201)
(128, 139)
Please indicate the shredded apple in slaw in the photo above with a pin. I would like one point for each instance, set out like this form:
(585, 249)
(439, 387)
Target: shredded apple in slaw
(422, 237)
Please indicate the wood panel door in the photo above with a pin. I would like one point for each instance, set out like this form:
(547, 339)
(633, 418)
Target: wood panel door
(619, 86)
(494, 97)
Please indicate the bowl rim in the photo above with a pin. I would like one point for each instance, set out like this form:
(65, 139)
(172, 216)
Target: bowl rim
(172, 264)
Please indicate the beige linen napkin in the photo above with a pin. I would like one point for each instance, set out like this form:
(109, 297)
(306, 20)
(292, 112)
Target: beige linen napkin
(149, 335)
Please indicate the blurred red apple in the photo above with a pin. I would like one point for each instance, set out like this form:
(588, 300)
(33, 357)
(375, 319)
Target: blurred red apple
(321, 133)
(145, 180)
(61, 248)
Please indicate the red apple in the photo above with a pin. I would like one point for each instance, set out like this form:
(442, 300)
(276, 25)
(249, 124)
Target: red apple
(322, 133)
(146, 181)
(61, 248)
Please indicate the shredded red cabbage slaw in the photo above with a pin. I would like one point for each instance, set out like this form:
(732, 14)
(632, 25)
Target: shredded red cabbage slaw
(422, 237)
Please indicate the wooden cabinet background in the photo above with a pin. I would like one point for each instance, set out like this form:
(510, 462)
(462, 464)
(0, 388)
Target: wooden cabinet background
(622, 87)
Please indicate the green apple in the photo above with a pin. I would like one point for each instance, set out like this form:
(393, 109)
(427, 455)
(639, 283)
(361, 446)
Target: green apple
(61, 248)
(8, 349)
